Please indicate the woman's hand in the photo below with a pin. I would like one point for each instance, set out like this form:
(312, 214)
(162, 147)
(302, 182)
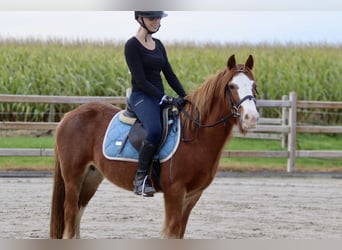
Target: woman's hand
(179, 102)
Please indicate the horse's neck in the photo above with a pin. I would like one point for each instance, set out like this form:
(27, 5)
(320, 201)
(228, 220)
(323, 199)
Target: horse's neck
(213, 105)
(218, 133)
(213, 132)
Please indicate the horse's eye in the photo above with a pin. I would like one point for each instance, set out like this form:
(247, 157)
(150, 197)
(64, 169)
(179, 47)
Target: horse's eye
(231, 86)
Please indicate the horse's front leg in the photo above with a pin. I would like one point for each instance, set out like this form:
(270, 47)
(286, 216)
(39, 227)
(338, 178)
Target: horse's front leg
(189, 203)
(173, 203)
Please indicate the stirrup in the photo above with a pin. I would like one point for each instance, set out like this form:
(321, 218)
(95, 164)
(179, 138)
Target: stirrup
(149, 194)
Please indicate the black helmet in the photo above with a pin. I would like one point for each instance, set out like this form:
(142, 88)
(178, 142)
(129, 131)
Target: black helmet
(149, 14)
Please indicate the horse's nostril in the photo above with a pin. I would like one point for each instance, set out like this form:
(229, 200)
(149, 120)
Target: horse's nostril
(251, 117)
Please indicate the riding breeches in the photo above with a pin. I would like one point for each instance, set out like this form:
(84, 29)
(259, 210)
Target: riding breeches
(148, 111)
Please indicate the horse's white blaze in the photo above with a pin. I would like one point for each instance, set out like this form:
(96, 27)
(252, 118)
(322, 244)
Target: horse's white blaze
(249, 116)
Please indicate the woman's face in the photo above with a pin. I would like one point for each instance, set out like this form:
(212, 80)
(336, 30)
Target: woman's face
(152, 24)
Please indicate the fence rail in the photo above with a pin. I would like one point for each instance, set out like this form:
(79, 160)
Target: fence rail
(268, 126)
(60, 99)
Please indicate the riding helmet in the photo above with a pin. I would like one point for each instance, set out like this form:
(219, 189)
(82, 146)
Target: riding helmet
(149, 14)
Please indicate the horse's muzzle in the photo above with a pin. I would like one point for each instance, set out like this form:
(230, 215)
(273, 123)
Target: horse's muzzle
(249, 119)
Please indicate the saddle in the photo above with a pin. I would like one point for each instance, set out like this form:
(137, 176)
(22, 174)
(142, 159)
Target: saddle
(137, 132)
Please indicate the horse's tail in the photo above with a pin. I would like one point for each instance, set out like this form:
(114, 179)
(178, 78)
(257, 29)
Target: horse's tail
(57, 204)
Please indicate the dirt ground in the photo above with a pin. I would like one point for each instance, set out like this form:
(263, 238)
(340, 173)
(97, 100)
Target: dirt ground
(231, 208)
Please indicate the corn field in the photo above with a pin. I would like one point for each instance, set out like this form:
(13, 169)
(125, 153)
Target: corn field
(84, 68)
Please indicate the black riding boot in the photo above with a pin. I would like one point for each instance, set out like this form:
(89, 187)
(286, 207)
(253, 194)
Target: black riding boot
(142, 185)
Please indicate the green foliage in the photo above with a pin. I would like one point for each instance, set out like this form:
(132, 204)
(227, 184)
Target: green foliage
(99, 69)
(305, 142)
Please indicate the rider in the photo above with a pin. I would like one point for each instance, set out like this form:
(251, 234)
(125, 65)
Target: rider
(146, 58)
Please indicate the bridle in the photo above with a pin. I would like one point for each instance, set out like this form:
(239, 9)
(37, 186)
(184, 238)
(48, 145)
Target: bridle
(235, 107)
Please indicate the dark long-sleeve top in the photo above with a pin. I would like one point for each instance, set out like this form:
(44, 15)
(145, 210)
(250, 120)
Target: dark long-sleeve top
(146, 66)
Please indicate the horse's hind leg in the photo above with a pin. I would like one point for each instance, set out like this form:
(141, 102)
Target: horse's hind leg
(90, 184)
(72, 192)
(78, 192)
(73, 180)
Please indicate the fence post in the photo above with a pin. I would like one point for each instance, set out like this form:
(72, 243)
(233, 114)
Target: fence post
(52, 113)
(284, 121)
(292, 136)
(261, 110)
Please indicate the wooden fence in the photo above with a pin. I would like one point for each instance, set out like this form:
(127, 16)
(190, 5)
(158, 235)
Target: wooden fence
(289, 129)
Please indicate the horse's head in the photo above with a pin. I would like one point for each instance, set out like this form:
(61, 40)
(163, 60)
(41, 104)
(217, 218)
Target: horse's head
(242, 92)
(235, 82)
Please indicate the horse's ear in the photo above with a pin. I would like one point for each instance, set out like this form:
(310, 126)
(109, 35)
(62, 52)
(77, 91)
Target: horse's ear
(231, 62)
(250, 62)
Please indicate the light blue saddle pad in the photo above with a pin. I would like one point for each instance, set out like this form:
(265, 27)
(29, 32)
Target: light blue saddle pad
(116, 134)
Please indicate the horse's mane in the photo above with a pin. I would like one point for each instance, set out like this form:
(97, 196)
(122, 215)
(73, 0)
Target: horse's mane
(205, 96)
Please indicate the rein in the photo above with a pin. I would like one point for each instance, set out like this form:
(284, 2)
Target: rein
(234, 114)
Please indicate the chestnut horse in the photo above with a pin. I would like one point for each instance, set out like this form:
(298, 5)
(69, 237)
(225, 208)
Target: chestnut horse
(223, 101)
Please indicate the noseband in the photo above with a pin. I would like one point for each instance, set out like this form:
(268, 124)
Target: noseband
(236, 107)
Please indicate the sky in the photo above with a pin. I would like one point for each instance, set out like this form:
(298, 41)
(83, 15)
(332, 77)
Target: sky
(195, 21)
(179, 26)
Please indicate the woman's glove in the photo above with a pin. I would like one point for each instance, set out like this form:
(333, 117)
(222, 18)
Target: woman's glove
(179, 102)
(166, 100)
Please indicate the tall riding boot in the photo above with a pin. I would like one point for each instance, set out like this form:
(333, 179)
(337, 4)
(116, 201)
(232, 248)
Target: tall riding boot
(142, 185)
